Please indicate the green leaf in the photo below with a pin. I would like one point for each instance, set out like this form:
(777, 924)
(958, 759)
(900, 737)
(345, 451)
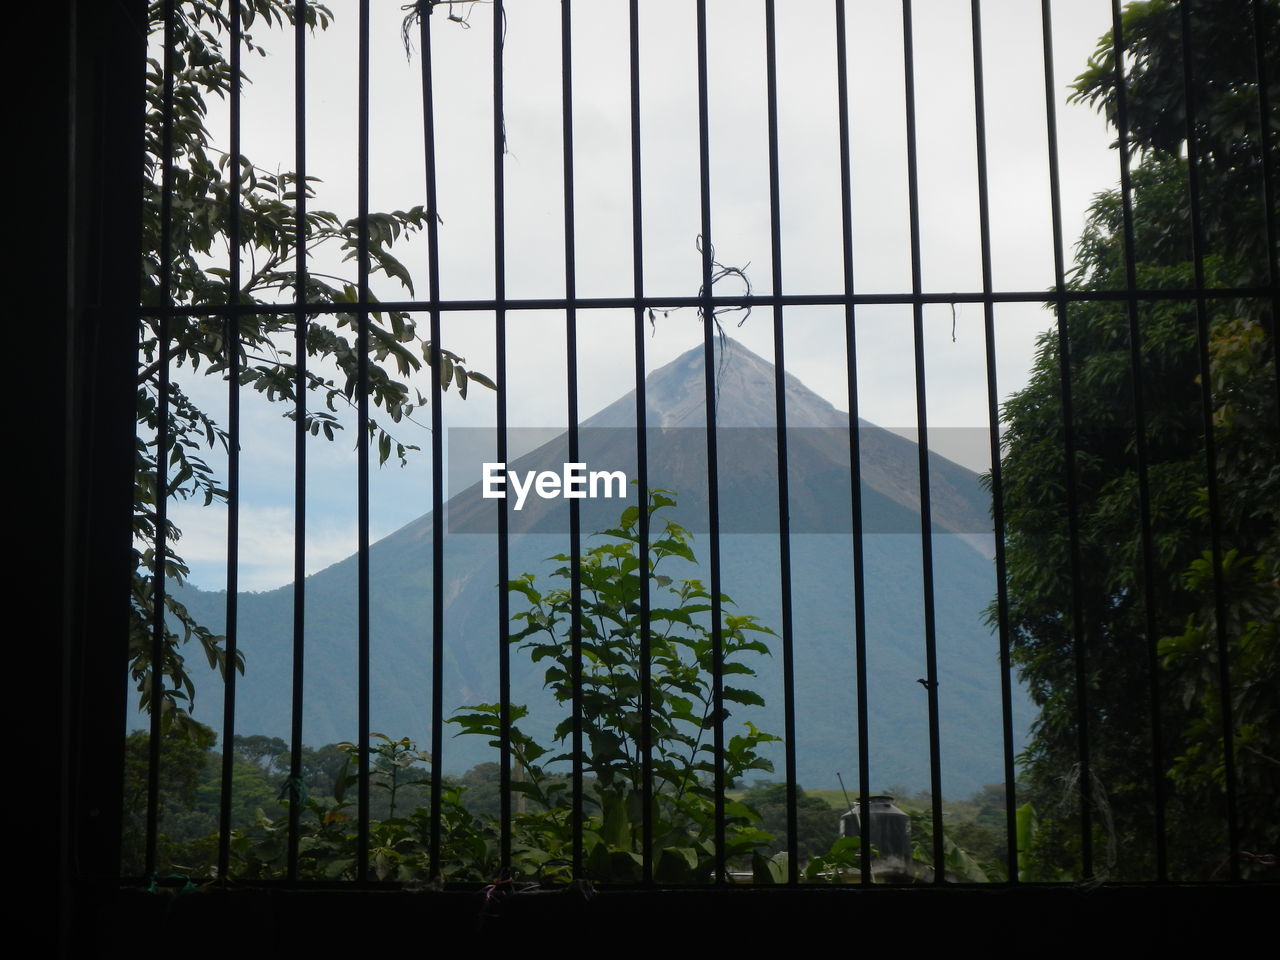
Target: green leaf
(738, 695)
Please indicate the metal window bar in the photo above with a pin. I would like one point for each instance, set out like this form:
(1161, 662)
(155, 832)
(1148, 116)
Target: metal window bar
(1149, 599)
(922, 448)
(642, 448)
(158, 565)
(993, 427)
(571, 377)
(1069, 450)
(780, 420)
(855, 452)
(723, 301)
(500, 361)
(362, 450)
(707, 308)
(231, 326)
(1210, 446)
(298, 672)
(707, 303)
(437, 467)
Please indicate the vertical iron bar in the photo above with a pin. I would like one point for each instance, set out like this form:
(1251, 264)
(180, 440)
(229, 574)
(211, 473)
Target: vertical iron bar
(713, 479)
(162, 443)
(1210, 444)
(993, 422)
(922, 426)
(780, 416)
(642, 457)
(437, 447)
(855, 453)
(1069, 449)
(500, 350)
(362, 463)
(1266, 138)
(571, 349)
(299, 429)
(1149, 582)
(231, 341)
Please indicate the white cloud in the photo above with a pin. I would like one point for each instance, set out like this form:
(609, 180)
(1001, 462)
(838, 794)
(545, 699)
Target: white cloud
(266, 545)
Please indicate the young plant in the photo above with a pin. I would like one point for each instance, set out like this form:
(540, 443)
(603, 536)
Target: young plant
(677, 719)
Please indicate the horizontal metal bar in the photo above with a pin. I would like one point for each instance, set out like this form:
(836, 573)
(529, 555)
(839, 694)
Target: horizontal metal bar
(754, 300)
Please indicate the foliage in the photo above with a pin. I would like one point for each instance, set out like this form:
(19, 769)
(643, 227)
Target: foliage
(817, 823)
(680, 713)
(1229, 136)
(184, 758)
(202, 203)
(683, 804)
(975, 845)
(839, 864)
(393, 765)
(542, 830)
(1114, 593)
(399, 846)
(959, 863)
(1250, 571)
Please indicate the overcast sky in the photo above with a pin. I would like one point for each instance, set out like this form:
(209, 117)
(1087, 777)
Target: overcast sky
(809, 187)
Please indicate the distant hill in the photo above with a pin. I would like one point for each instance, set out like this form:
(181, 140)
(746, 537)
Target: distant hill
(822, 578)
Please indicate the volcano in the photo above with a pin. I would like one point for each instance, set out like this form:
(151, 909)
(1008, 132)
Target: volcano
(822, 578)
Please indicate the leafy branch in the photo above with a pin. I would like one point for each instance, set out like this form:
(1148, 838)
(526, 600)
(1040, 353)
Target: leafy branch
(203, 205)
(609, 686)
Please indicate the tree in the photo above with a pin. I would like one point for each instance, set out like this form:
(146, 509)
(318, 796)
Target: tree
(1230, 142)
(187, 759)
(202, 200)
(817, 823)
(1111, 608)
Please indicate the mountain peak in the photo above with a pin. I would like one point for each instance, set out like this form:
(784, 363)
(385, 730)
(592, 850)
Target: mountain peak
(676, 394)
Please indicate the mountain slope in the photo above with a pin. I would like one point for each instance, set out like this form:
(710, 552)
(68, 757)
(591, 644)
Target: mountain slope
(822, 577)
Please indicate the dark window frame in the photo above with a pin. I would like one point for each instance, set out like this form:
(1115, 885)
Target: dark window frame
(107, 44)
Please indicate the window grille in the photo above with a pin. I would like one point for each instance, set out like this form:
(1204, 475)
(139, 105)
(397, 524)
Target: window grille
(640, 300)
